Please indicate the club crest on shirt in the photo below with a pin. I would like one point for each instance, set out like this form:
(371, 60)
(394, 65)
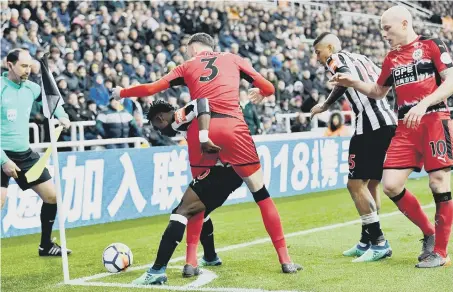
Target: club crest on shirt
(11, 114)
(445, 58)
(418, 54)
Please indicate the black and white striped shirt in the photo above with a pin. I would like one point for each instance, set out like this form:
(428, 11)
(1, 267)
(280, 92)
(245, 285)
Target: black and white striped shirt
(370, 114)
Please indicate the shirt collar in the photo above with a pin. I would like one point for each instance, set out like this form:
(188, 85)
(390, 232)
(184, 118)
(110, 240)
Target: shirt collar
(10, 82)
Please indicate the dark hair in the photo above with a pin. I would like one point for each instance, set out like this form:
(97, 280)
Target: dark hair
(159, 106)
(13, 55)
(320, 37)
(202, 38)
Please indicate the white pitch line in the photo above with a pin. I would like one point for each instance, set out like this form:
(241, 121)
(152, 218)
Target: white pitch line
(250, 243)
(169, 288)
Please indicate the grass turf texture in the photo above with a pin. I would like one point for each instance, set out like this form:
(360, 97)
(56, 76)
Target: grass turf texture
(325, 269)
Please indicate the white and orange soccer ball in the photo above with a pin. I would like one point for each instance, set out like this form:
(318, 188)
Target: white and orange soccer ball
(117, 257)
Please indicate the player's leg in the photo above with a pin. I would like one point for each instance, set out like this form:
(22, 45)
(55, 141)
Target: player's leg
(366, 207)
(210, 257)
(378, 247)
(367, 155)
(213, 186)
(438, 158)
(199, 228)
(440, 184)
(373, 187)
(403, 157)
(172, 236)
(393, 183)
(270, 215)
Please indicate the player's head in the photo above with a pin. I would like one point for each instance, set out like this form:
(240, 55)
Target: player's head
(19, 64)
(200, 42)
(161, 115)
(325, 45)
(396, 25)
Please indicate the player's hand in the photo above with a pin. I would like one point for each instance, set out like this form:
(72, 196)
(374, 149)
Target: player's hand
(255, 95)
(317, 109)
(414, 116)
(341, 79)
(209, 147)
(65, 122)
(116, 92)
(10, 169)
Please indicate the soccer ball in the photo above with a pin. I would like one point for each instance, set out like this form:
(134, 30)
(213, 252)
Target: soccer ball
(117, 257)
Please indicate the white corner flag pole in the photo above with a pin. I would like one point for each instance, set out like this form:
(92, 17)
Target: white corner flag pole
(61, 209)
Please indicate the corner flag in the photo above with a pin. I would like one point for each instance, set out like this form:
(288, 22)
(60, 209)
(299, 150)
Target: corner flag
(51, 97)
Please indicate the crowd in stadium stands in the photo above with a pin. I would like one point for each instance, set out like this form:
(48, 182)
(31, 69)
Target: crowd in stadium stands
(95, 46)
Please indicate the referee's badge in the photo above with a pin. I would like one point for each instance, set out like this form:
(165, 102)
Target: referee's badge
(11, 115)
(418, 54)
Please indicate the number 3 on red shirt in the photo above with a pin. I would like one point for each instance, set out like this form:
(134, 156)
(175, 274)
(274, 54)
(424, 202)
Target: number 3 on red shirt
(209, 65)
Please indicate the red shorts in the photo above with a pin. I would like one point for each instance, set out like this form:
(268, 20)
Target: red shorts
(428, 145)
(233, 136)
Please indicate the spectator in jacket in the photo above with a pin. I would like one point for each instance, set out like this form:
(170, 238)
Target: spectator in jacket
(116, 122)
(250, 114)
(71, 78)
(99, 93)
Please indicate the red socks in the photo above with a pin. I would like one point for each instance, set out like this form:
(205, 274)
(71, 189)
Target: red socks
(409, 206)
(271, 220)
(444, 220)
(194, 226)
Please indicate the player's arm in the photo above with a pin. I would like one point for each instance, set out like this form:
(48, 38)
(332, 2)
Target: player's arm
(334, 65)
(204, 118)
(338, 90)
(444, 64)
(174, 78)
(376, 90)
(372, 90)
(444, 91)
(249, 73)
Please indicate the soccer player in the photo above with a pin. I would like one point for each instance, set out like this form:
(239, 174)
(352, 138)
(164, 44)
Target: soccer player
(375, 127)
(17, 97)
(421, 71)
(216, 76)
(169, 122)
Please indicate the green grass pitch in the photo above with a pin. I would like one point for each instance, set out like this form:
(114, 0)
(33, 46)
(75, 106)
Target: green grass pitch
(248, 267)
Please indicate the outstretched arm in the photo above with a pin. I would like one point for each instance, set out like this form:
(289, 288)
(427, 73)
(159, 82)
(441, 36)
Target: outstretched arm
(372, 90)
(174, 78)
(144, 90)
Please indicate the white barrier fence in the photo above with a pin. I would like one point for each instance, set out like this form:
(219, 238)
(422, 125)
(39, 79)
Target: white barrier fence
(78, 141)
(314, 122)
(81, 143)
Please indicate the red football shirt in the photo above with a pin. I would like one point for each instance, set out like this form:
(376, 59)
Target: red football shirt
(413, 70)
(213, 75)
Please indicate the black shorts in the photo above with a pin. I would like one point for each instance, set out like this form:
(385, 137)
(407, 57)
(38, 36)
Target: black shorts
(215, 185)
(367, 153)
(24, 160)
